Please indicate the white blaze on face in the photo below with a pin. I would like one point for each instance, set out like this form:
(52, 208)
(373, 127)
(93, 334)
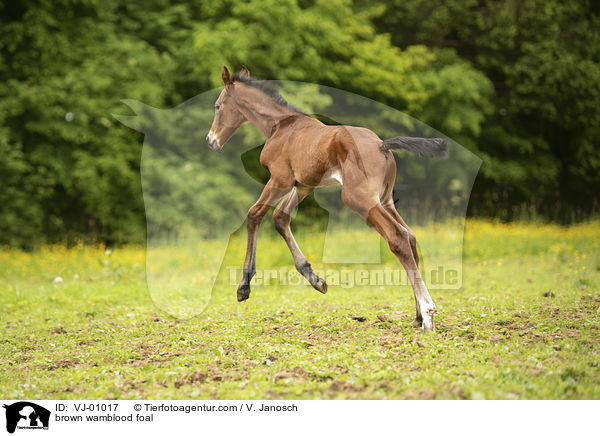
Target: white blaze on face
(212, 138)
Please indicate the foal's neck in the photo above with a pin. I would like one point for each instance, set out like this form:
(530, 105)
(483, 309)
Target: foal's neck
(261, 110)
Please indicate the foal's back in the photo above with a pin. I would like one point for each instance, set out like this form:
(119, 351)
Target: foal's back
(312, 151)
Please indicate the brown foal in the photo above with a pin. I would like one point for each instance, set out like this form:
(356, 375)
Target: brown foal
(302, 154)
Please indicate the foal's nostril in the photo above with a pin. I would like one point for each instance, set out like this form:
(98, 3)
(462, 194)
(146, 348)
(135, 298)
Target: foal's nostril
(212, 140)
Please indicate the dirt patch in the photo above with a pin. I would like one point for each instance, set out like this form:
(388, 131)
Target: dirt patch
(345, 386)
(533, 337)
(508, 323)
(384, 318)
(62, 363)
(299, 373)
(193, 379)
(25, 357)
(296, 372)
(70, 389)
(571, 333)
(458, 391)
(420, 394)
(156, 361)
(59, 330)
(152, 354)
(85, 343)
(391, 342)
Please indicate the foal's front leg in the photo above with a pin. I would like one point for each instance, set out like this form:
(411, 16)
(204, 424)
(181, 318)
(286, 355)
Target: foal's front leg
(271, 194)
(282, 218)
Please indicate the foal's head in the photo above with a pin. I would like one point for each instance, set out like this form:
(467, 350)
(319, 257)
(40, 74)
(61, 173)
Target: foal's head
(228, 117)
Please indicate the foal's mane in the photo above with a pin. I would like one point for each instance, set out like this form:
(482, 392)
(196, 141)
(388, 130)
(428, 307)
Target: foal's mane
(267, 88)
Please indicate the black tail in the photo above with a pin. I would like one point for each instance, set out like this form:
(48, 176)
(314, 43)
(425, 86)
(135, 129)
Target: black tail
(425, 147)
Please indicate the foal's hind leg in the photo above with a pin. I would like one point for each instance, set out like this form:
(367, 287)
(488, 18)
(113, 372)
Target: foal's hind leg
(271, 194)
(388, 204)
(399, 241)
(397, 238)
(282, 218)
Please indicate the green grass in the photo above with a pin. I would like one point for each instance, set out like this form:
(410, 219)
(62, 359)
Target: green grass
(524, 325)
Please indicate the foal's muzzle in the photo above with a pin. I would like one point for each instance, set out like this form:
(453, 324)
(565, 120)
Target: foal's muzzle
(212, 140)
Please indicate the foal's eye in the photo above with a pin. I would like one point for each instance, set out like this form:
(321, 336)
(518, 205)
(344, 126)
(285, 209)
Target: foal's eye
(217, 106)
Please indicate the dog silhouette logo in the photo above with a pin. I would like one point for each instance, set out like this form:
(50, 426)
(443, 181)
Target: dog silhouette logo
(26, 415)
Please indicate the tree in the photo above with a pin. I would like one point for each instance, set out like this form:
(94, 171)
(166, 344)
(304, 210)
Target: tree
(539, 144)
(70, 170)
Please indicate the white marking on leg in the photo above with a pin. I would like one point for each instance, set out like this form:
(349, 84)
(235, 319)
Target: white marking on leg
(425, 303)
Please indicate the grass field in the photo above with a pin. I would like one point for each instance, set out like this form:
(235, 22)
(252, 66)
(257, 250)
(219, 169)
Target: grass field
(80, 323)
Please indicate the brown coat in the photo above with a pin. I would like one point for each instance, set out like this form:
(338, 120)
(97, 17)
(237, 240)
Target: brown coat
(303, 154)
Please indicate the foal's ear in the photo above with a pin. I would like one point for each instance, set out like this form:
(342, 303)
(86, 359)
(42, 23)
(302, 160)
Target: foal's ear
(226, 77)
(244, 73)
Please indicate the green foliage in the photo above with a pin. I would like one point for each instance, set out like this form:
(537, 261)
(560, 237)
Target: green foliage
(65, 68)
(516, 82)
(333, 43)
(540, 142)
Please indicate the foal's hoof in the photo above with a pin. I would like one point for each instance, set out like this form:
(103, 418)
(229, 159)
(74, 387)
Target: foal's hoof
(427, 313)
(321, 286)
(428, 325)
(243, 292)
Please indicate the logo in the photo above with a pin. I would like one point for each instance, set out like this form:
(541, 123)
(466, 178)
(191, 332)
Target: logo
(26, 415)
